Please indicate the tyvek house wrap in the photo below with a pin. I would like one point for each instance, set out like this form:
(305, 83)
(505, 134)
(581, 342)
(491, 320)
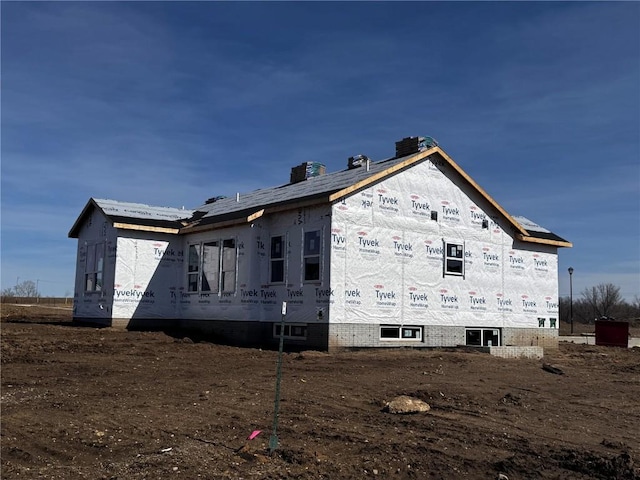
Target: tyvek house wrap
(148, 272)
(387, 258)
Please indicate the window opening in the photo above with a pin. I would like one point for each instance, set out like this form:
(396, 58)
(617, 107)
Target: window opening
(400, 332)
(94, 268)
(229, 265)
(482, 337)
(311, 255)
(193, 270)
(277, 259)
(291, 330)
(454, 259)
(212, 267)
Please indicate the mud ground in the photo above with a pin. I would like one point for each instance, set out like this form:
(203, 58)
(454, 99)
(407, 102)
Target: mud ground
(87, 403)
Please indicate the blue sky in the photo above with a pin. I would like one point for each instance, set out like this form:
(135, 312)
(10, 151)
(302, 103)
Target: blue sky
(170, 103)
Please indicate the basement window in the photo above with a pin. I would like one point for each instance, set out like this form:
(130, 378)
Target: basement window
(94, 267)
(277, 259)
(454, 259)
(401, 332)
(312, 251)
(482, 337)
(291, 330)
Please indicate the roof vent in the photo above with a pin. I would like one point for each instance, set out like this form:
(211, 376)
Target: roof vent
(306, 170)
(411, 145)
(357, 161)
(214, 199)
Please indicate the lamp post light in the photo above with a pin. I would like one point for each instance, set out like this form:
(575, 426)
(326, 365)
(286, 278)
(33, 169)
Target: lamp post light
(571, 297)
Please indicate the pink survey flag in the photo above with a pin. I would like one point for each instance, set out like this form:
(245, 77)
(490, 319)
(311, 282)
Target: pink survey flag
(254, 434)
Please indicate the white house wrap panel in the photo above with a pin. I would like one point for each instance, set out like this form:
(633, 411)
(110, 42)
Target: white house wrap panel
(387, 259)
(404, 250)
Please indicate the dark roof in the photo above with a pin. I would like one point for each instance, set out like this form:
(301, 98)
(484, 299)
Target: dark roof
(133, 214)
(325, 188)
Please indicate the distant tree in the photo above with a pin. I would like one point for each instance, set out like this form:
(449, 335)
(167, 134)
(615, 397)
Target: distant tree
(26, 289)
(581, 311)
(8, 292)
(603, 299)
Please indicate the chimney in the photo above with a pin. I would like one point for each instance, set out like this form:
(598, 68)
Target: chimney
(306, 170)
(410, 145)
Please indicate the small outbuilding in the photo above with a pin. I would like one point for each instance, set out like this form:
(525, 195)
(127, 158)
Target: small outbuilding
(408, 251)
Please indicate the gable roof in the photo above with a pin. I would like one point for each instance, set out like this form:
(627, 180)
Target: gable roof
(134, 216)
(332, 187)
(323, 189)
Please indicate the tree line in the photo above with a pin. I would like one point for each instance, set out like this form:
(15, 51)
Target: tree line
(27, 288)
(603, 301)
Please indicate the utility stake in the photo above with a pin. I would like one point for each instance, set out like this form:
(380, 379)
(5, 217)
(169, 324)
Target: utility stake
(273, 441)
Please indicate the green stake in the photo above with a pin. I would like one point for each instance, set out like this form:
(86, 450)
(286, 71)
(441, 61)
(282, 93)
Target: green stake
(273, 441)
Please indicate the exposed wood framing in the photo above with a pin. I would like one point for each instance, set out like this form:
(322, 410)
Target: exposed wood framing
(214, 226)
(555, 243)
(296, 205)
(255, 216)
(416, 158)
(145, 228)
(381, 175)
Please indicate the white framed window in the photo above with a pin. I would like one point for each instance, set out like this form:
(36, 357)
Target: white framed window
(277, 259)
(454, 258)
(94, 267)
(483, 337)
(211, 266)
(291, 330)
(401, 332)
(311, 255)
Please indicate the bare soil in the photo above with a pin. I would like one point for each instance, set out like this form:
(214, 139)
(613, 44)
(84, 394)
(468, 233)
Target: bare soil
(86, 403)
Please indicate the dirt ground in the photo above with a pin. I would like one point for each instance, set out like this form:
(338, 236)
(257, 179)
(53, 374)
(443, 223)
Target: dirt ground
(87, 403)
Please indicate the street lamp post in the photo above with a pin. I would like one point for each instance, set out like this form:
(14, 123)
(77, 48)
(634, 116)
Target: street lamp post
(571, 297)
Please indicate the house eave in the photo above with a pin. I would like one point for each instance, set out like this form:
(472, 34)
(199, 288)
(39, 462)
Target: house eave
(544, 241)
(252, 217)
(146, 228)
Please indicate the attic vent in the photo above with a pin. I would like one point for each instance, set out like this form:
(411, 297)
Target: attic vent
(306, 170)
(357, 161)
(411, 145)
(214, 199)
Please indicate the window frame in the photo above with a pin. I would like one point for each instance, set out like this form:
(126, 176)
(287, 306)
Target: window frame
(402, 330)
(228, 265)
(311, 255)
(280, 260)
(451, 258)
(495, 332)
(288, 330)
(221, 265)
(213, 287)
(95, 271)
